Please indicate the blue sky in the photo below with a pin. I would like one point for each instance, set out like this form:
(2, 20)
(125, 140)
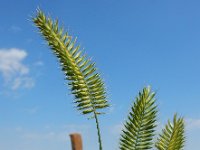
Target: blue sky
(134, 43)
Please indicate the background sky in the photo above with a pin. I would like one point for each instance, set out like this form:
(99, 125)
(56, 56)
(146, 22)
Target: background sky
(134, 43)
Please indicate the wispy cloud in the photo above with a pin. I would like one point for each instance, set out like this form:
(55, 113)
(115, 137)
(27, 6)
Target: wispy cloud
(32, 139)
(15, 73)
(29, 40)
(39, 63)
(21, 137)
(81, 128)
(15, 28)
(192, 124)
(117, 129)
(1, 29)
(49, 136)
(24, 82)
(32, 110)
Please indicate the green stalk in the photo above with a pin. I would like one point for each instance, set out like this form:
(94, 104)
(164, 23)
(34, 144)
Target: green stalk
(98, 131)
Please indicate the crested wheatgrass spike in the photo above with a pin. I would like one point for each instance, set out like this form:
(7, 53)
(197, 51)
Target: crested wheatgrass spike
(172, 137)
(90, 95)
(139, 129)
(85, 83)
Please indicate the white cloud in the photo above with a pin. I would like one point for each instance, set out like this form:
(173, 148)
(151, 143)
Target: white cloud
(15, 73)
(11, 62)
